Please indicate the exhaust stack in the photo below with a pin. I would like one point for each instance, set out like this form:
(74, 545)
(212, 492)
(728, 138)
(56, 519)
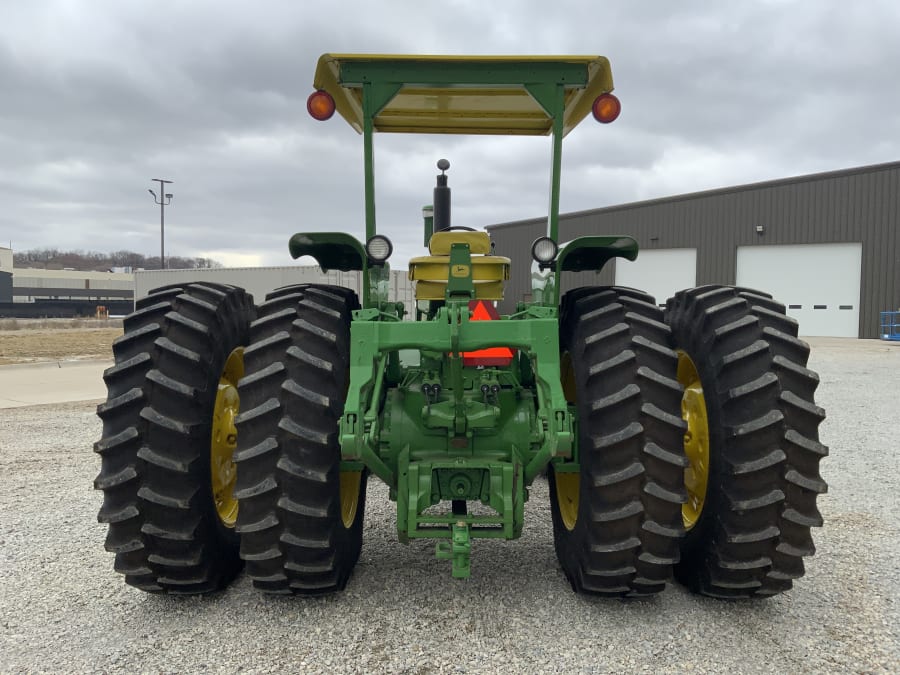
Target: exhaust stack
(442, 198)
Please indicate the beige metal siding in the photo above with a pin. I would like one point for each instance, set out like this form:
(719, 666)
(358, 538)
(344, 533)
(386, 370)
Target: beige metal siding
(258, 281)
(261, 280)
(30, 284)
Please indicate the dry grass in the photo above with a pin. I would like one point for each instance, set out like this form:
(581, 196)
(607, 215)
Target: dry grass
(57, 324)
(29, 345)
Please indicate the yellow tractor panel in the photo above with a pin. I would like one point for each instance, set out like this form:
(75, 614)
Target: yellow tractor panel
(431, 272)
(440, 242)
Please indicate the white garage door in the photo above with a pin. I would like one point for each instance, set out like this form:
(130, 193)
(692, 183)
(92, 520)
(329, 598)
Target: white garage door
(660, 272)
(818, 283)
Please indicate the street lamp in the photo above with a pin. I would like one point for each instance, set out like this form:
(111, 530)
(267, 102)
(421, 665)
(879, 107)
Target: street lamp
(163, 200)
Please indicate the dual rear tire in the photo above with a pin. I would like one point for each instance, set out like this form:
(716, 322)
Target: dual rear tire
(300, 520)
(617, 521)
(200, 473)
(718, 484)
(698, 444)
(740, 354)
(167, 422)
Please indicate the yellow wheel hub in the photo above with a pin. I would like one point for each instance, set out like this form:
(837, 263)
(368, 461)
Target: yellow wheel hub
(223, 473)
(350, 481)
(567, 491)
(696, 440)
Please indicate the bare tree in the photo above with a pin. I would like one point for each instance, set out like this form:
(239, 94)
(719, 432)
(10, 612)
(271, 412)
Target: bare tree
(93, 260)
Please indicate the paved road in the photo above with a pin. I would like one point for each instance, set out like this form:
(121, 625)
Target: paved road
(82, 380)
(51, 382)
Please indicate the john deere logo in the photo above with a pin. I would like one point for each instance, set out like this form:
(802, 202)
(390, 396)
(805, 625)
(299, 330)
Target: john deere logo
(459, 270)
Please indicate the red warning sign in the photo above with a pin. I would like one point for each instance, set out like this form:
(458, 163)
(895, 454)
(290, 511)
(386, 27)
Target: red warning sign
(492, 356)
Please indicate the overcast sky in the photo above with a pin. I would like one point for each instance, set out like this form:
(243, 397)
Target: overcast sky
(99, 96)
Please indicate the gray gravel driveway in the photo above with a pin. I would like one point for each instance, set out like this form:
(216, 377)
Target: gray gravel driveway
(63, 609)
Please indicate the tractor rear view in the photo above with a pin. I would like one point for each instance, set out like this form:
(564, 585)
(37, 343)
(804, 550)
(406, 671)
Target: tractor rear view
(680, 442)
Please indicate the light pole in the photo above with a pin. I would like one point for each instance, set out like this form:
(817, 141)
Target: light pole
(163, 200)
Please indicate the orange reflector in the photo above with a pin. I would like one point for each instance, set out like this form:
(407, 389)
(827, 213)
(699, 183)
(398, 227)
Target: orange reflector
(320, 105)
(492, 356)
(606, 108)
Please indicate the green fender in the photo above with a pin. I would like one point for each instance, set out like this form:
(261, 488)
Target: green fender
(332, 250)
(586, 254)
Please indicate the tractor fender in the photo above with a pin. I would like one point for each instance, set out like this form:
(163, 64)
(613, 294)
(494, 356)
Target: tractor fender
(332, 250)
(591, 253)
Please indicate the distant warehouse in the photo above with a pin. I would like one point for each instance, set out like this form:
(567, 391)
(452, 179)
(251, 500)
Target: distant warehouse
(259, 281)
(826, 245)
(27, 292)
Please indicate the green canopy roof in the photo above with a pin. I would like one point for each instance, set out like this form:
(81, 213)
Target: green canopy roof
(463, 94)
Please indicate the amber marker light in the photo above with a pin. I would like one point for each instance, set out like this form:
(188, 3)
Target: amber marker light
(606, 108)
(320, 105)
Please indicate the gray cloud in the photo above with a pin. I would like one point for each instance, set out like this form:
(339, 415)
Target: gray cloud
(99, 97)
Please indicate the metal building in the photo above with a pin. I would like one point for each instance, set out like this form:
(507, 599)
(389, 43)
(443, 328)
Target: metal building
(825, 244)
(30, 285)
(6, 269)
(31, 292)
(260, 280)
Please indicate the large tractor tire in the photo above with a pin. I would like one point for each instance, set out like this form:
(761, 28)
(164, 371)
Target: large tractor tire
(617, 522)
(168, 435)
(752, 442)
(300, 520)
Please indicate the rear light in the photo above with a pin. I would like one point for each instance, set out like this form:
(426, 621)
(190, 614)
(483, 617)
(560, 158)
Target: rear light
(379, 248)
(606, 108)
(320, 105)
(544, 250)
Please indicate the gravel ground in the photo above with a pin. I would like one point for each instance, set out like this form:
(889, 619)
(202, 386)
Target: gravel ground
(62, 608)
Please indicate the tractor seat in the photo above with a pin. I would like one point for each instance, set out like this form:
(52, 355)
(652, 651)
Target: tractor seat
(430, 272)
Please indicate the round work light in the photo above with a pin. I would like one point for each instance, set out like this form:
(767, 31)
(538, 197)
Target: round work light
(379, 248)
(544, 250)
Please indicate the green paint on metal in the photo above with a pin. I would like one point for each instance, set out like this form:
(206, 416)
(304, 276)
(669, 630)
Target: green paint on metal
(556, 168)
(444, 432)
(459, 280)
(593, 252)
(369, 178)
(376, 95)
(378, 287)
(442, 435)
(551, 97)
(583, 254)
(457, 550)
(463, 94)
(462, 73)
(332, 250)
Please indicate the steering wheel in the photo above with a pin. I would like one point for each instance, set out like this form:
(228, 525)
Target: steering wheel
(458, 227)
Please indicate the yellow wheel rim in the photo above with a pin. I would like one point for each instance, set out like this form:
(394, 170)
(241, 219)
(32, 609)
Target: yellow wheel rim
(223, 473)
(568, 484)
(567, 490)
(696, 440)
(350, 481)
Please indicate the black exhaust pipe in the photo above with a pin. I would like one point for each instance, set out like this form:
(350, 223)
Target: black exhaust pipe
(442, 198)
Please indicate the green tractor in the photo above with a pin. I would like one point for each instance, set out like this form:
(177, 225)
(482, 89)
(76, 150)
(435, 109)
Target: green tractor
(677, 443)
